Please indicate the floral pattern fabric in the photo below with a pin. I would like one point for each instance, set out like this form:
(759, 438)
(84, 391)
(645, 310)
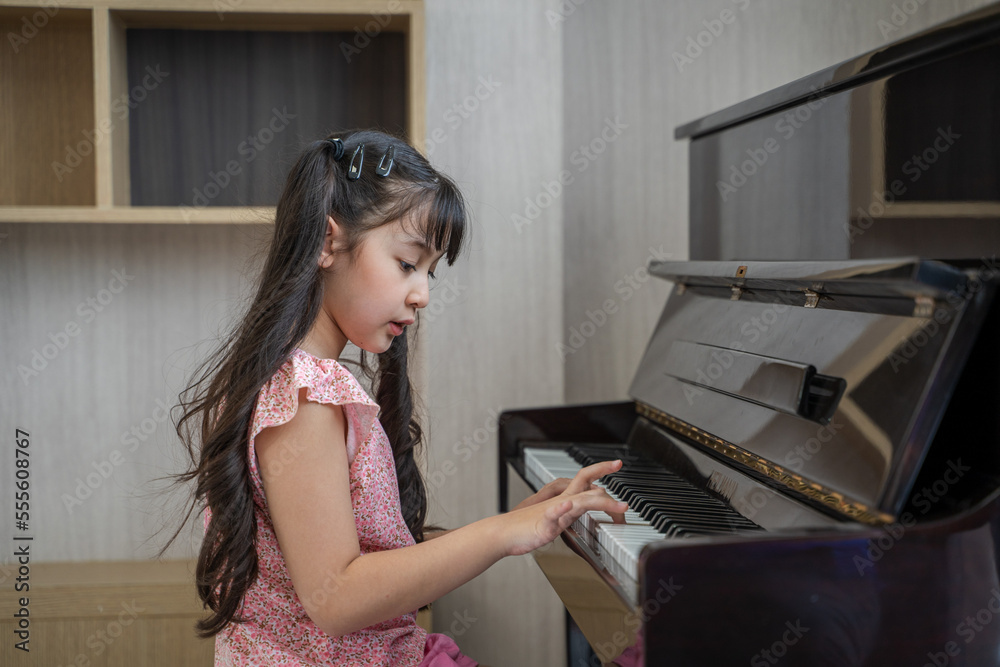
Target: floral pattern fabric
(279, 631)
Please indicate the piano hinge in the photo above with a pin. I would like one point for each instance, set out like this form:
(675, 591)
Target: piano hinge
(737, 293)
(680, 289)
(812, 298)
(923, 306)
(794, 482)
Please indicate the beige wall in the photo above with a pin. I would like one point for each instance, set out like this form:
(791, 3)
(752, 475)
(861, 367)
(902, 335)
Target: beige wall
(492, 342)
(490, 349)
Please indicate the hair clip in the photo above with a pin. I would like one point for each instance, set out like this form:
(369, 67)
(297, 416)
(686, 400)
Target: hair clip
(354, 172)
(383, 167)
(338, 147)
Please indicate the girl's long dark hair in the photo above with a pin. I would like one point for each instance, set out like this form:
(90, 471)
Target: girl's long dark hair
(218, 405)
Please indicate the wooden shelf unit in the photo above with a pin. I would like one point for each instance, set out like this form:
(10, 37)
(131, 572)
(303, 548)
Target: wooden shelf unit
(61, 90)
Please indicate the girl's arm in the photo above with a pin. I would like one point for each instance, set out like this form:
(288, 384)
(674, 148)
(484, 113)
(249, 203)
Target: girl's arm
(305, 472)
(430, 535)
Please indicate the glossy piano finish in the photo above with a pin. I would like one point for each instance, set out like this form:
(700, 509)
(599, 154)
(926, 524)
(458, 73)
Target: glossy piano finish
(899, 595)
(894, 152)
(813, 588)
(733, 356)
(552, 427)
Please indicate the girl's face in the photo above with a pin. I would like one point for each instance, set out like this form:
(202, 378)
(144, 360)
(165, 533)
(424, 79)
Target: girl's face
(369, 300)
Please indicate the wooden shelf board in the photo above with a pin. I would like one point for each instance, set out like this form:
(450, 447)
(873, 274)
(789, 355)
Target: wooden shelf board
(233, 7)
(926, 209)
(193, 20)
(140, 214)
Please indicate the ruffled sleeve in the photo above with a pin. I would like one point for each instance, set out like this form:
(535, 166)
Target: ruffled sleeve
(327, 381)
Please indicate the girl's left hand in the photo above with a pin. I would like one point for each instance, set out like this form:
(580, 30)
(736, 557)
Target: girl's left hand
(550, 490)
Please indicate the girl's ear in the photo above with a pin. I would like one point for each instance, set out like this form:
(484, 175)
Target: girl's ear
(330, 240)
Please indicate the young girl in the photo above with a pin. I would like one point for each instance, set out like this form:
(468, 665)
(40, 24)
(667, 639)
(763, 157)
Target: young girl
(315, 551)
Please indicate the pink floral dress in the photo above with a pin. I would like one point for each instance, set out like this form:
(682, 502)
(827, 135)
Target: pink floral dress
(280, 631)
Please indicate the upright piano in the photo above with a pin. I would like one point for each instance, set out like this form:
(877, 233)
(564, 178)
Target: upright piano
(811, 447)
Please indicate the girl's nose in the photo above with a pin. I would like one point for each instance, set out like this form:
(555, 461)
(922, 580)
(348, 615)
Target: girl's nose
(420, 296)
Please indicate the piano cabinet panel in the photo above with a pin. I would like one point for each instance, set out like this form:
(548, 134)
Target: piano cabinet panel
(898, 595)
(555, 426)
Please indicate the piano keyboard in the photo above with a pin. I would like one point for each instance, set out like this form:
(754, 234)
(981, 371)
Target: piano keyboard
(662, 505)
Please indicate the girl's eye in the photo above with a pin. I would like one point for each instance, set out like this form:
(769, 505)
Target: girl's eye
(406, 266)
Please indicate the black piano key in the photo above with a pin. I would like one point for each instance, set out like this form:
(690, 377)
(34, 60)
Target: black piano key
(671, 504)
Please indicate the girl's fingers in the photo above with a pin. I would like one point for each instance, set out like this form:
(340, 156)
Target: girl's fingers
(593, 500)
(559, 509)
(586, 477)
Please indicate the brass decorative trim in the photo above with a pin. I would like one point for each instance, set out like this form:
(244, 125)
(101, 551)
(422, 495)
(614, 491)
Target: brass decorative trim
(795, 482)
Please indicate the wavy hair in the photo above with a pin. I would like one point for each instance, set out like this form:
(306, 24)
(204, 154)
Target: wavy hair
(218, 404)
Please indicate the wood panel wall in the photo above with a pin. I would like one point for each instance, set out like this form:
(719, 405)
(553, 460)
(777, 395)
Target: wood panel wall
(494, 123)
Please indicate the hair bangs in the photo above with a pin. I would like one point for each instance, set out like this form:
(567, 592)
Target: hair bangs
(445, 226)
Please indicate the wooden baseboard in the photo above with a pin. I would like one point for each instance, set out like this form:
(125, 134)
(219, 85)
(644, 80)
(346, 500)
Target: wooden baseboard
(119, 614)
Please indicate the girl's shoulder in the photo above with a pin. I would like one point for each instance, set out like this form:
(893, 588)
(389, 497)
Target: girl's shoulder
(325, 381)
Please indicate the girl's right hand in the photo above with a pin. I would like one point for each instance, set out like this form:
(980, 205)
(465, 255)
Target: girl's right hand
(536, 525)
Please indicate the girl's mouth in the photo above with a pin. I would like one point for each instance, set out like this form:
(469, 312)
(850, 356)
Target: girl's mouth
(396, 328)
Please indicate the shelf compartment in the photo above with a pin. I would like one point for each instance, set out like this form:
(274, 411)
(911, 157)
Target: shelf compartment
(227, 111)
(48, 139)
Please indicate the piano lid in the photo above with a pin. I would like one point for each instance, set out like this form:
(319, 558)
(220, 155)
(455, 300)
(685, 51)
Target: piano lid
(828, 379)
